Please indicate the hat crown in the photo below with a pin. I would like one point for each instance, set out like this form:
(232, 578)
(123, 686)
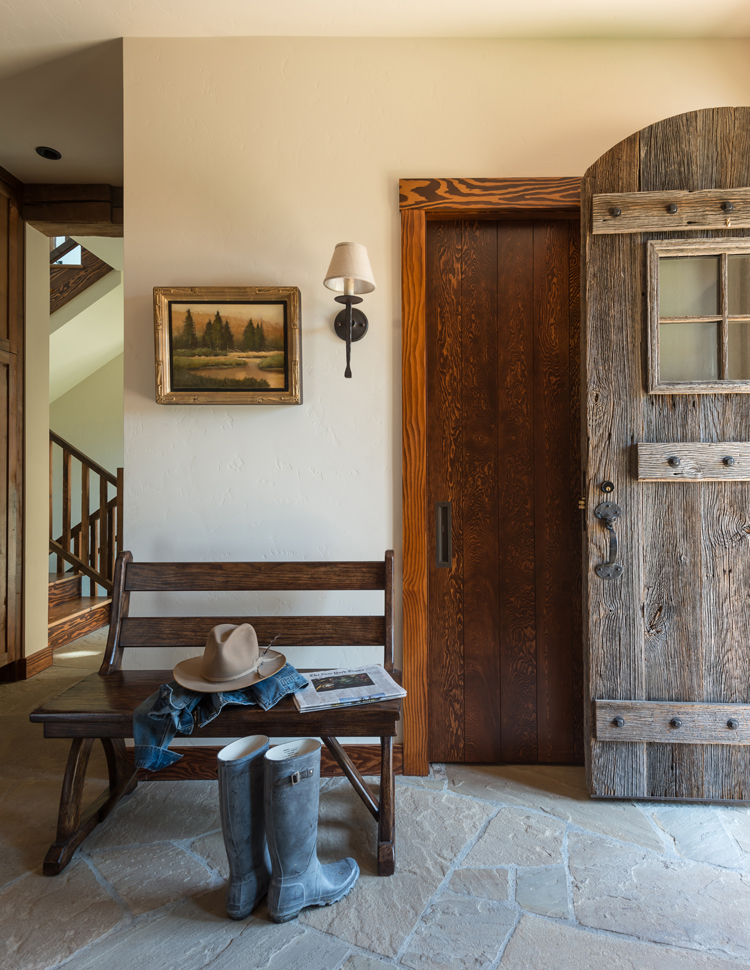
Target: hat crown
(231, 651)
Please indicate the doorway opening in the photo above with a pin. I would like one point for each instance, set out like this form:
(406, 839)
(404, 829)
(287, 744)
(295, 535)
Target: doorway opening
(492, 480)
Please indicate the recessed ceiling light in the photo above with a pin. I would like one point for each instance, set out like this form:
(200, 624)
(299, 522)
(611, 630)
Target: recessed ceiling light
(51, 153)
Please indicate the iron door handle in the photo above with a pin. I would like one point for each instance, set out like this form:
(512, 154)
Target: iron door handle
(608, 512)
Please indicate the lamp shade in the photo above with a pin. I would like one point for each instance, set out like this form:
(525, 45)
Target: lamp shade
(350, 262)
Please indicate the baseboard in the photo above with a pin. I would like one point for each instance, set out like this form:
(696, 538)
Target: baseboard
(27, 666)
(199, 763)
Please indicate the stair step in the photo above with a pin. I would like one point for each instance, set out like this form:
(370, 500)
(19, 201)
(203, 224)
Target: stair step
(72, 619)
(63, 586)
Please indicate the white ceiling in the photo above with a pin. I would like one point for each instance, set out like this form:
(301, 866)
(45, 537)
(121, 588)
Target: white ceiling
(60, 77)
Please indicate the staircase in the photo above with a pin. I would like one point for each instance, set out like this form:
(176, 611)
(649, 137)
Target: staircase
(85, 551)
(72, 615)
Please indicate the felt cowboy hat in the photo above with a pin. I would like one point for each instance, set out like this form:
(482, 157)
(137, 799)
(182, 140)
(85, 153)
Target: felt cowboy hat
(232, 660)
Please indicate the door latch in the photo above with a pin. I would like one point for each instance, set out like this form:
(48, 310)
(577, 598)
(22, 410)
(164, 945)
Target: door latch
(608, 512)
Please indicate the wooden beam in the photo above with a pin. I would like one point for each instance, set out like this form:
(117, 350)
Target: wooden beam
(74, 210)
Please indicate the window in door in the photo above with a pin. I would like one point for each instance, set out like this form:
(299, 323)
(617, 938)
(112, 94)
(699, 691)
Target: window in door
(699, 316)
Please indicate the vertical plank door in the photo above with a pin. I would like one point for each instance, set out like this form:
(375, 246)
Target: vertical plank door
(503, 449)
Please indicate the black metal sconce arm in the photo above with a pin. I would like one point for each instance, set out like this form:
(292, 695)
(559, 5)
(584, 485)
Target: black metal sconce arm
(351, 325)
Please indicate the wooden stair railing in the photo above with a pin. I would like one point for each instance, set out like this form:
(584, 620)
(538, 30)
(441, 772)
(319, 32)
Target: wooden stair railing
(90, 550)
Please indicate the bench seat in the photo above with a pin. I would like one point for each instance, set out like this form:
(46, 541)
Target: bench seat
(102, 707)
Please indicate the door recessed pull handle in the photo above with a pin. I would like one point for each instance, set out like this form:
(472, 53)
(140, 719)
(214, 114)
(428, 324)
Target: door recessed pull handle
(728, 461)
(618, 721)
(443, 535)
(733, 724)
(674, 461)
(676, 722)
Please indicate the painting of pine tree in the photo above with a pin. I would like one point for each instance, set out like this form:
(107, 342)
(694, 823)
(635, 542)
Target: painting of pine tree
(228, 346)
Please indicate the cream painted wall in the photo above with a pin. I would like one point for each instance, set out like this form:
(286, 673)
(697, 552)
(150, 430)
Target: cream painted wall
(246, 160)
(36, 493)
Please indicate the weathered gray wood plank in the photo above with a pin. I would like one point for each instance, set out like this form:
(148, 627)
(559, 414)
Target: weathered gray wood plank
(698, 461)
(648, 211)
(700, 723)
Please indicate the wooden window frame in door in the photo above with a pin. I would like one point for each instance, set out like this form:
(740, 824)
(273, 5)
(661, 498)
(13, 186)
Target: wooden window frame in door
(420, 200)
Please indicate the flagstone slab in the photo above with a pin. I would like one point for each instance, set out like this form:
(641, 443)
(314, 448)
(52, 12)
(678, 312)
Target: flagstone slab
(557, 791)
(160, 811)
(43, 920)
(547, 945)
(697, 833)
(361, 962)
(211, 848)
(543, 891)
(483, 883)
(431, 830)
(520, 838)
(198, 935)
(172, 875)
(459, 933)
(626, 890)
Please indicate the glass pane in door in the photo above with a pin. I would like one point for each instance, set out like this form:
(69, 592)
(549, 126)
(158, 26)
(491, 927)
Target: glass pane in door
(689, 286)
(688, 351)
(739, 350)
(738, 272)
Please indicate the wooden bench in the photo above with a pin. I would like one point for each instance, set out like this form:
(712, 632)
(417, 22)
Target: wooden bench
(101, 705)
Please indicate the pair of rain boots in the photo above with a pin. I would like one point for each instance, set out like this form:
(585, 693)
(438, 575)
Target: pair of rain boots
(269, 818)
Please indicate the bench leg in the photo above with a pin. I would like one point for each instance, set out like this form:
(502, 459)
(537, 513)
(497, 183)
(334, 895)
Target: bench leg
(72, 829)
(387, 811)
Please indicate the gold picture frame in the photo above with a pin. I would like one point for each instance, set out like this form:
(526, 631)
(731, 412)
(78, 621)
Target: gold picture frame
(228, 345)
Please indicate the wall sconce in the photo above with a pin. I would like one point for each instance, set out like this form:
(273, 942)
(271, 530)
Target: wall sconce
(350, 273)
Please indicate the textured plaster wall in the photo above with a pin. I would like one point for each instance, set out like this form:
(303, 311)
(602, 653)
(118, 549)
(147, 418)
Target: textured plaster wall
(246, 160)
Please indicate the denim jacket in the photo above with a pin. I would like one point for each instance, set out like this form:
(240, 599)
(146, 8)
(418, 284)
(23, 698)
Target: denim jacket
(173, 708)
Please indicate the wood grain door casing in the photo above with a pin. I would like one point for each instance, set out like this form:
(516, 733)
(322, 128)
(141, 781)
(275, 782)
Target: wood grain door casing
(11, 422)
(440, 198)
(503, 449)
(674, 627)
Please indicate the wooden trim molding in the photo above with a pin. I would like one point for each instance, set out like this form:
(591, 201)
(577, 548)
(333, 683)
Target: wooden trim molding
(455, 194)
(26, 667)
(438, 198)
(199, 762)
(74, 210)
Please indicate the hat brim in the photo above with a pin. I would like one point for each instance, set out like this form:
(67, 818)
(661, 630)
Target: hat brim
(187, 673)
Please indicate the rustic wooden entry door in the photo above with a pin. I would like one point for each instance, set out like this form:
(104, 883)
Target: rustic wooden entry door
(666, 292)
(503, 490)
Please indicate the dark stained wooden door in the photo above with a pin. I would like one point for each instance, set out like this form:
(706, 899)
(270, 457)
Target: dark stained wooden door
(504, 450)
(668, 640)
(11, 428)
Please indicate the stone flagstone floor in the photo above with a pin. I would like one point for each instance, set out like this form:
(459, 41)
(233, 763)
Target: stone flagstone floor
(498, 867)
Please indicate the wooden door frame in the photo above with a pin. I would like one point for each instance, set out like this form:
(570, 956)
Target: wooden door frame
(420, 200)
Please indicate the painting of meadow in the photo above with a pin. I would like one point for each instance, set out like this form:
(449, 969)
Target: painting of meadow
(228, 346)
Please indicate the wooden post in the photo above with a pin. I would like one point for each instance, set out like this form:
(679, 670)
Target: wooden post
(66, 500)
(120, 487)
(84, 551)
(103, 536)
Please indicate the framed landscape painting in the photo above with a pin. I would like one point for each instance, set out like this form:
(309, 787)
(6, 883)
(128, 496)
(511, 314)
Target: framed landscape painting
(227, 345)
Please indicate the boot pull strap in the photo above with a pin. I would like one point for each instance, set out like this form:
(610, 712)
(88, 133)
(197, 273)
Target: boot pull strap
(295, 778)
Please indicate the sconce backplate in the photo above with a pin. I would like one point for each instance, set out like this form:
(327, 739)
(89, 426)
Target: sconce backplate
(359, 324)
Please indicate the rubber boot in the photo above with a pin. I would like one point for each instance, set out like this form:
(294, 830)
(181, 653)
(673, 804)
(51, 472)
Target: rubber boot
(243, 823)
(292, 794)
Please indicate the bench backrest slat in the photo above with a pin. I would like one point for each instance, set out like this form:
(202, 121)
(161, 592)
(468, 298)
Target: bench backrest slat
(242, 576)
(292, 631)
